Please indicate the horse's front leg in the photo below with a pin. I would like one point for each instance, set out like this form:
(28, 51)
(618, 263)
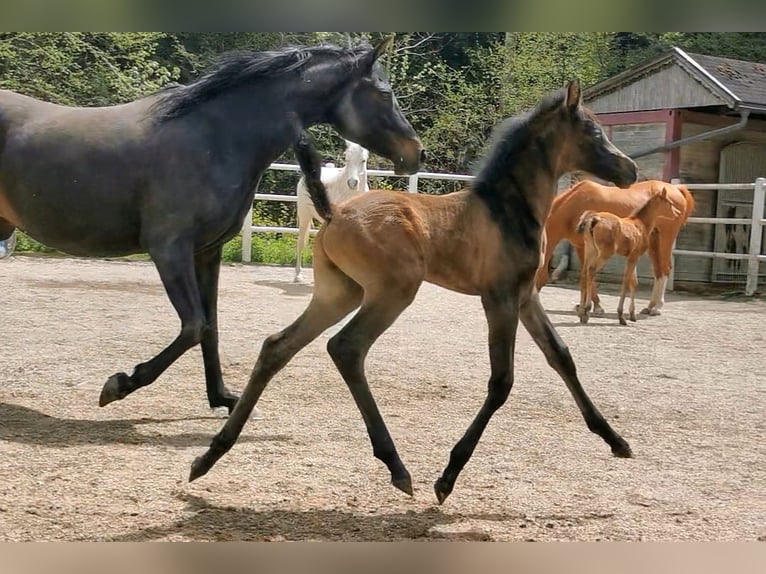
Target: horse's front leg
(207, 266)
(175, 264)
(502, 311)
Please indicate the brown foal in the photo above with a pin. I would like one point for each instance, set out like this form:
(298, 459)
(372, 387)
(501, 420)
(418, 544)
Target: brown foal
(376, 249)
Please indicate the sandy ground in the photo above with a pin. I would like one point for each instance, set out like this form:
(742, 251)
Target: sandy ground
(685, 389)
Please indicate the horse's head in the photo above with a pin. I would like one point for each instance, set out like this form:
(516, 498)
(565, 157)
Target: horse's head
(588, 148)
(367, 113)
(356, 166)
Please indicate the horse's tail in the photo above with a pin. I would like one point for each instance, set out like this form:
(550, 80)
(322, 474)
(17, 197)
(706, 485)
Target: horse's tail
(587, 221)
(689, 202)
(311, 166)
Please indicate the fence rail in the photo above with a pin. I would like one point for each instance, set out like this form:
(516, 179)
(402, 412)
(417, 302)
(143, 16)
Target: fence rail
(757, 223)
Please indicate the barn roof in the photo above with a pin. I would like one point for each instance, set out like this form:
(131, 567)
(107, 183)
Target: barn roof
(677, 79)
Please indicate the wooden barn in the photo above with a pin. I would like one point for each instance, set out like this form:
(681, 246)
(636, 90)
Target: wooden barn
(716, 107)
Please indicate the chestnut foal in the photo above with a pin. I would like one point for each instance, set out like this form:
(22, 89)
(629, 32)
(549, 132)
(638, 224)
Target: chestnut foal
(606, 234)
(377, 248)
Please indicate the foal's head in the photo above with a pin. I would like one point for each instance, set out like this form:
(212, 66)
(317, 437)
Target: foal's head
(587, 146)
(356, 165)
(368, 113)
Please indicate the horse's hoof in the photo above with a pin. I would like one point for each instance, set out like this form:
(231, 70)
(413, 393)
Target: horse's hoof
(113, 389)
(403, 483)
(633, 317)
(646, 311)
(655, 312)
(583, 319)
(599, 311)
(622, 320)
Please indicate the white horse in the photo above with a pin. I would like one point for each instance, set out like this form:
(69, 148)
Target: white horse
(341, 184)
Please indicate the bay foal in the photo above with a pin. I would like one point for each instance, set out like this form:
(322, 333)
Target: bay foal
(605, 235)
(377, 248)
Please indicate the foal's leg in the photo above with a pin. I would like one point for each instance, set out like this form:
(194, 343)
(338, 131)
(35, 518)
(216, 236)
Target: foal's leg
(207, 267)
(632, 284)
(556, 352)
(585, 292)
(349, 349)
(627, 277)
(335, 295)
(502, 317)
(175, 264)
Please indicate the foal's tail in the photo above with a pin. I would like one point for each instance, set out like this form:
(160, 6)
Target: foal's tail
(311, 166)
(587, 221)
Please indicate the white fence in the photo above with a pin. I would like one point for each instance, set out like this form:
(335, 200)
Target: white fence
(757, 222)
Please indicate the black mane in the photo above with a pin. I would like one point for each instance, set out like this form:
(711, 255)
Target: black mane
(497, 182)
(234, 69)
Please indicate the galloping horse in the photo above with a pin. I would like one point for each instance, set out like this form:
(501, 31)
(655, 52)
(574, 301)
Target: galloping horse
(341, 184)
(377, 248)
(606, 234)
(588, 195)
(174, 173)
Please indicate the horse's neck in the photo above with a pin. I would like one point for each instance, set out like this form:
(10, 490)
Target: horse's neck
(646, 217)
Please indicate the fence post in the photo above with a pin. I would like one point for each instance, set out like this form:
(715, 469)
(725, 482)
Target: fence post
(756, 233)
(247, 236)
(413, 187)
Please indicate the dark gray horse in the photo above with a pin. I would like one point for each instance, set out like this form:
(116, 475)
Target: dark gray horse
(173, 174)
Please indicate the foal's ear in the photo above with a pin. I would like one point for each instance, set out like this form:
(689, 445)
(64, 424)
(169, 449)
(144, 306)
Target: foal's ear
(574, 95)
(664, 193)
(382, 47)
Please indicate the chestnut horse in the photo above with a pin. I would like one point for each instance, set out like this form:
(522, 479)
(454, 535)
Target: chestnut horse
(568, 207)
(173, 174)
(606, 234)
(377, 248)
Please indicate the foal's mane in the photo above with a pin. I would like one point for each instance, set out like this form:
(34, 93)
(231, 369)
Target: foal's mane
(234, 69)
(496, 182)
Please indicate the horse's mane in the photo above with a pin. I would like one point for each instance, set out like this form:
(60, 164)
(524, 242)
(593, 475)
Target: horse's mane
(234, 69)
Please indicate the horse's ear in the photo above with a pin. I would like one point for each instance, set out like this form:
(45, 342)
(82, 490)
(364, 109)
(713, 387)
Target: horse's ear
(664, 193)
(574, 95)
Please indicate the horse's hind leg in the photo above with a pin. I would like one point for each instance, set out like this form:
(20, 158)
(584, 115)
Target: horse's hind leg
(335, 295)
(207, 268)
(503, 318)
(349, 349)
(556, 352)
(175, 264)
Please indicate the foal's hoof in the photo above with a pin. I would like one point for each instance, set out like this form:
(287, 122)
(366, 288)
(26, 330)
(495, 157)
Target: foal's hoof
(583, 319)
(652, 312)
(632, 317)
(114, 389)
(599, 311)
(622, 320)
(622, 450)
(442, 489)
(199, 467)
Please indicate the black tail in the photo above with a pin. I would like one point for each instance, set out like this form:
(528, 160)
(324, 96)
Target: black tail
(311, 166)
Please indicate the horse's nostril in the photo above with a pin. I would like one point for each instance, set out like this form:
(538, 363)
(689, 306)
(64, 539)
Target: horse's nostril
(423, 156)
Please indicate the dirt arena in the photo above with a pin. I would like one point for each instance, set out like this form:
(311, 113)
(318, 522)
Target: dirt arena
(686, 389)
